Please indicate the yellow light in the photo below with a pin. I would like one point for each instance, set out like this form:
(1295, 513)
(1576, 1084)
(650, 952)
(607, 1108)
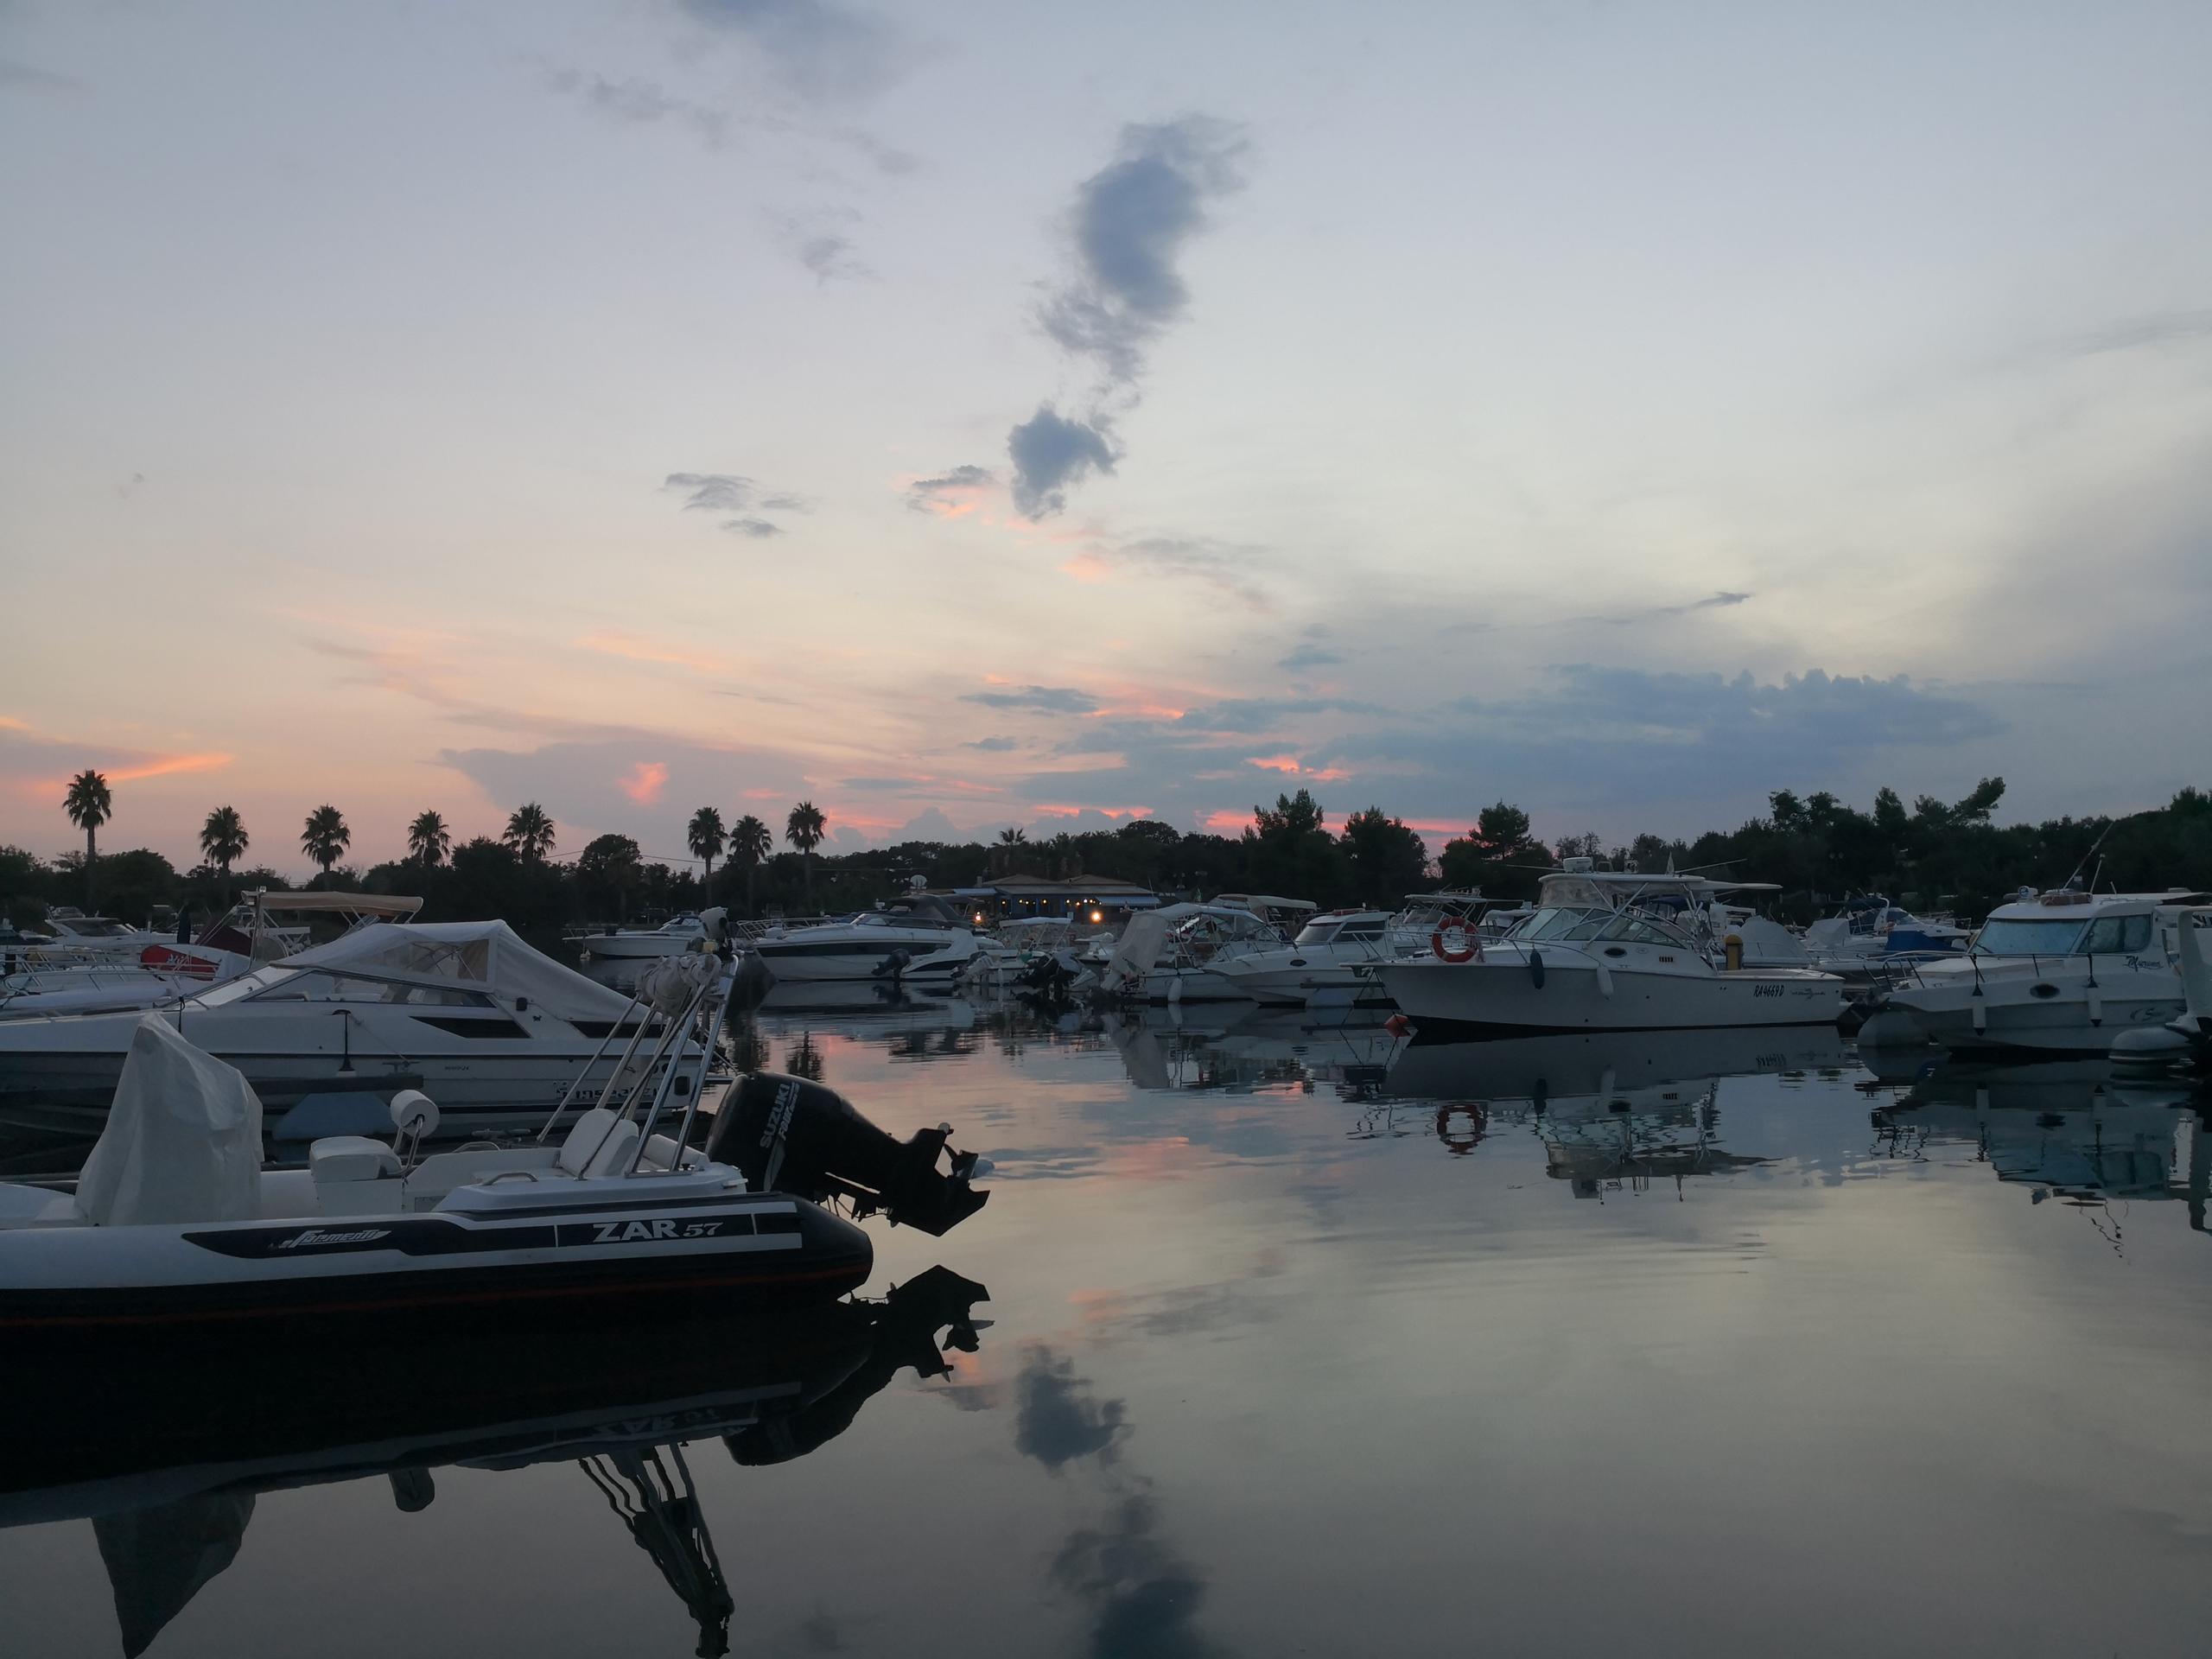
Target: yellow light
(1097, 915)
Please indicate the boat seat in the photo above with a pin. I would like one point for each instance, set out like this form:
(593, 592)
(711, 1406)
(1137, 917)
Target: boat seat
(350, 1158)
(662, 1153)
(598, 1145)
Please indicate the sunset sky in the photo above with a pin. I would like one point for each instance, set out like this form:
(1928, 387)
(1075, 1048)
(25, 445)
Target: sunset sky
(988, 414)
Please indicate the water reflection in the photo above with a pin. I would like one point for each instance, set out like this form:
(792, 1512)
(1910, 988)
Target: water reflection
(166, 1463)
(2064, 1129)
(1238, 1048)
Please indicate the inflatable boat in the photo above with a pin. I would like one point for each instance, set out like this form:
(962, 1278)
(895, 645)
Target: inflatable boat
(174, 1221)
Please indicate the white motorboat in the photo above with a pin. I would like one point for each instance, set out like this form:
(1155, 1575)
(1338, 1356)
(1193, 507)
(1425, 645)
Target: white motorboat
(2062, 972)
(1601, 954)
(174, 1222)
(262, 928)
(1871, 932)
(1179, 953)
(2186, 1040)
(917, 941)
(1325, 963)
(678, 935)
(465, 1009)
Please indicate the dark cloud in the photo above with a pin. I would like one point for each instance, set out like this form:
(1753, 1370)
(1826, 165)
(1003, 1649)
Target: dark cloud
(993, 745)
(1057, 1421)
(732, 492)
(1257, 716)
(1051, 453)
(1313, 653)
(1130, 223)
(1042, 699)
(821, 52)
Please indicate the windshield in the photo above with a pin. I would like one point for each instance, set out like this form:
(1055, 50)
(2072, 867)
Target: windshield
(2019, 937)
(1317, 934)
(1553, 923)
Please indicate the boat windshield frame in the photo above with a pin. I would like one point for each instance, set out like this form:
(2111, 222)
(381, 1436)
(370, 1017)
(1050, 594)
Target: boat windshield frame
(2053, 936)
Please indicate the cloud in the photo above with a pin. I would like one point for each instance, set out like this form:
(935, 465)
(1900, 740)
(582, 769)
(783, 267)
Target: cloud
(823, 53)
(1129, 225)
(993, 745)
(1057, 1421)
(1313, 653)
(644, 782)
(1042, 699)
(830, 257)
(1223, 565)
(2158, 329)
(635, 101)
(1050, 454)
(733, 492)
(1144, 1597)
(24, 78)
(951, 494)
(618, 642)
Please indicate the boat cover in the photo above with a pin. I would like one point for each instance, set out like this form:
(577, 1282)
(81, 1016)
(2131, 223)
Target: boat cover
(488, 957)
(182, 1141)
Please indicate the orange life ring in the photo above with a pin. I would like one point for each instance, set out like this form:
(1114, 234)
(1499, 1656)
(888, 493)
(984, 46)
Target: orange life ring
(1465, 929)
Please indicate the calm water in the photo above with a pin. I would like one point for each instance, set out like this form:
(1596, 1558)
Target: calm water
(1301, 1341)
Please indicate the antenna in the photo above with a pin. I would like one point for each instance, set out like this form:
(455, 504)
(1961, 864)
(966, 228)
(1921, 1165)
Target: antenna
(2087, 856)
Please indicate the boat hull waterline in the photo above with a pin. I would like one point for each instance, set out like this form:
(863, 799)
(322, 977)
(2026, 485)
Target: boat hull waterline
(1510, 996)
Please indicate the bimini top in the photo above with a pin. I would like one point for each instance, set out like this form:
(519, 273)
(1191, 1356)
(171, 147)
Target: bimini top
(488, 958)
(1610, 889)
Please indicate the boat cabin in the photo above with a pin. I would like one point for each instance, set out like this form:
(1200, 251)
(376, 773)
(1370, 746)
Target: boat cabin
(2067, 922)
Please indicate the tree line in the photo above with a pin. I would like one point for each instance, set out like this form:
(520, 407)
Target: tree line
(1934, 855)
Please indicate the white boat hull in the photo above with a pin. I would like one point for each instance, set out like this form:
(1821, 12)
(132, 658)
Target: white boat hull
(2057, 1011)
(1501, 994)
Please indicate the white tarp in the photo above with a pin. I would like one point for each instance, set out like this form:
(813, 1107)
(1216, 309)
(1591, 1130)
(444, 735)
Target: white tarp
(182, 1141)
(487, 957)
(1768, 945)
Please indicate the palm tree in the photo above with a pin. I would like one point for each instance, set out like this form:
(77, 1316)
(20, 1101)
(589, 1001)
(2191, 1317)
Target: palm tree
(804, 831)
(707, 837)
(429, 840)
(325, 835)
(89, 805)
(750, 843)
(530, 832)
(1013, 837)
(223, 841)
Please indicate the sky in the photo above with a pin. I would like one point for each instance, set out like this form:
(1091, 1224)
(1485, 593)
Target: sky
(990, 414)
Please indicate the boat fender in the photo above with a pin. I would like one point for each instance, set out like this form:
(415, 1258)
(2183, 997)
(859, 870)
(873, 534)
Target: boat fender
(1733, 946)
(1605, 979)
(1536, 969)
(1398, 1025)
(1467, 952)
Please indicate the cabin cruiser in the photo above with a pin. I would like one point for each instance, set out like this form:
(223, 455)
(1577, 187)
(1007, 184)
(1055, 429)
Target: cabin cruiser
(464, 1008)
(678, 935)
(174, 1220)
(1871, 933)
(1607, 951)
(265, 927)
(166, 1462)
(2186, 1040)
(917, 941)
(2060, 972)
(73, 935)
(1322, 964)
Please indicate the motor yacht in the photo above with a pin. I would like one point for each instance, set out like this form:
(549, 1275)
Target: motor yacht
(917, 941)
(1323, 964)
(678, 935)
(2061, 972)
(1607, 951)
(467, 1009)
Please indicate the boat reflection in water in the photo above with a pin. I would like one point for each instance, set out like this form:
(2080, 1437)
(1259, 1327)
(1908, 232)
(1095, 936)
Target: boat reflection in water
(1616, 1111)
(2066, 1128)
(166, 1462)
(1237, 1047)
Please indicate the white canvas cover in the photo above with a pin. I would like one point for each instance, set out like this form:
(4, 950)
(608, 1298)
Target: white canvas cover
(182, 1141)
(488, 957)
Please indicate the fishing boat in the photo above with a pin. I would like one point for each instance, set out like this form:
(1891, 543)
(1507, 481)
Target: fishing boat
(1607, 951)
(175, 1223)
(2062, 972)
(1332, 961)
(494, 1030)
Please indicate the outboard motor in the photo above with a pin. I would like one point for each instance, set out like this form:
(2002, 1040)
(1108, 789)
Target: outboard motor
(790, 1136)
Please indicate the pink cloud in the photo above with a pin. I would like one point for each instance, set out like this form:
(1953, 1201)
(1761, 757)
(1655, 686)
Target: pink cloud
(647, 780)
(1273, 762)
